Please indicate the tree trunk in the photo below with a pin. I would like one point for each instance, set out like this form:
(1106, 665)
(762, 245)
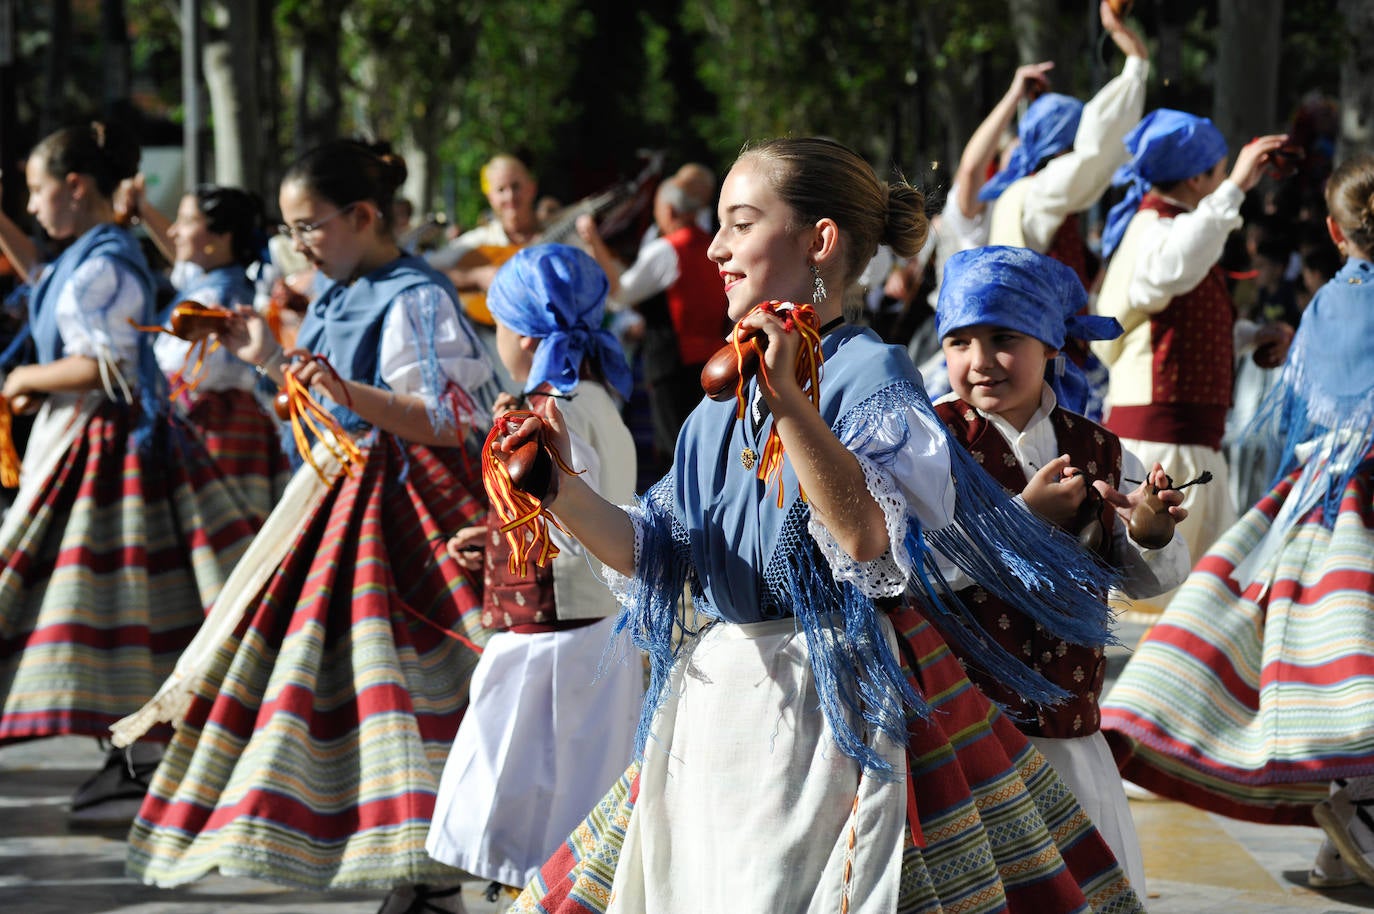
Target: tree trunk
(56, 63)
(269, 104)
(318, 81)
(1357, 81)
(1245, 99)
(230, 62)
(114, 35)
(1032, 22)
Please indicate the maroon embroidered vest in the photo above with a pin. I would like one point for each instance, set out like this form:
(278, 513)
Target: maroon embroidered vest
(1192, 369)
(1068, 248)
(1078, 670)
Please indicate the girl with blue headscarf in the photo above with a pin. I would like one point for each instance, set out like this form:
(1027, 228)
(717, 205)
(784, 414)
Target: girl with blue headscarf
(787, 755)
(1251, 696)
(123, 531)
(552, 717)
(1171, 371)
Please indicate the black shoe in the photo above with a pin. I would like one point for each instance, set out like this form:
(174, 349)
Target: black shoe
(113, 795)
(421, 899)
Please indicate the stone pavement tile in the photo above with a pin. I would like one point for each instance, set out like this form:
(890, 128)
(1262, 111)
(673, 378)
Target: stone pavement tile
(46, 868)
(1200, 863)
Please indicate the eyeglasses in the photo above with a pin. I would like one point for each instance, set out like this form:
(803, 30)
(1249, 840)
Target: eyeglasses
(301, 231)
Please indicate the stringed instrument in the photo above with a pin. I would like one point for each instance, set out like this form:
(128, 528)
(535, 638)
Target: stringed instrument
(613, 209)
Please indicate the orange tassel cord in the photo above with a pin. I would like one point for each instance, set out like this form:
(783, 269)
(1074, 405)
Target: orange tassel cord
(296, 405)
(9, 456)
(803, 320)
(194, 323)
(524, 519)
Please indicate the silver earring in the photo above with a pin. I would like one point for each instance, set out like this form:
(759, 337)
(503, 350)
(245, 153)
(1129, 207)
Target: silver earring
(817, 285)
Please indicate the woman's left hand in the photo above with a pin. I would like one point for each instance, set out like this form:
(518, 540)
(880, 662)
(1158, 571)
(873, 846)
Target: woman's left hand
(780, 356)
(316, 374)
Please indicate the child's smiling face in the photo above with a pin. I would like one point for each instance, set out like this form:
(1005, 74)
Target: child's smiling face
(997, 370)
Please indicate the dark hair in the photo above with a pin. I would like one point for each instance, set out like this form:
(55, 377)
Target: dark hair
(1350, 200)
(236, 213)
(107, 152)
(820, 178)
(351, 171)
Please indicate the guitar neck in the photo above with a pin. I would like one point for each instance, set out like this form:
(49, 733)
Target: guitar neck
(564, 226)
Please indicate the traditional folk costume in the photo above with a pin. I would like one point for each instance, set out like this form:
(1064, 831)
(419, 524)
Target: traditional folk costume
(224, 406)
(552, 718)
(904, 793)
(123, 531)
(1029, 293)
(1252, 692)
(317, 704)
(1172, 370)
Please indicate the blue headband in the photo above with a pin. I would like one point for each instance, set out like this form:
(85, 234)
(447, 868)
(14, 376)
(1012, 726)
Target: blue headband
(1028, 292)
(1048, 128)
(557, 294)
(1166, 146)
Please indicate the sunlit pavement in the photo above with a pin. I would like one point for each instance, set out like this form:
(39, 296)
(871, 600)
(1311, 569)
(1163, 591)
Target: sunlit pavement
(1195, 863)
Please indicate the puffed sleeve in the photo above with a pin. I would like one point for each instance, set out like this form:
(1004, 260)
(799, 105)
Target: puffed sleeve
(94, 309)
(904, 454)
(421, 324)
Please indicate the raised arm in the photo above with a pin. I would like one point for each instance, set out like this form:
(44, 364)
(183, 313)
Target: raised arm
(981, 148)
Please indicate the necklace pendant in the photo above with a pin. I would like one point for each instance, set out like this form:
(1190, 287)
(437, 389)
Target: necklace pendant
(748, 457)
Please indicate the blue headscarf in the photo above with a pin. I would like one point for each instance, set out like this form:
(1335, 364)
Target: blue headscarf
(1166, 146)
(1025, 291)
(557, 295)
(1048, 128)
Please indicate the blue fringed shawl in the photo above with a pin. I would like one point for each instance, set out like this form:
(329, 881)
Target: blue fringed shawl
(711, 526)
(1323, 402)
(111, 242)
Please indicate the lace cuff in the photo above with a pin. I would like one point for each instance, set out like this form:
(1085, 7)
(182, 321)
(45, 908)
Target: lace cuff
(885, 576)
(622, 586)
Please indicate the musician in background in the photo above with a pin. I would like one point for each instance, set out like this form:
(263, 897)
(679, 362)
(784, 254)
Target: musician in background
(678, 290)
(472, 259)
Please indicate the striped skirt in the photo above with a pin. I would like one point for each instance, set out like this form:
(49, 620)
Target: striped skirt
(311, 752)
(1248, 703)
(244, 443)
(991, 827)
(110, 558)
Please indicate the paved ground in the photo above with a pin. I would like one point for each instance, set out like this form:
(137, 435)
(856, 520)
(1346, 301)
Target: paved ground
(1196, 863)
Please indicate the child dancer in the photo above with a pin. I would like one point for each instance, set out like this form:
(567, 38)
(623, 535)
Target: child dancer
(328, 683)
(122, 531)
(546, 735)
(1250, 697)
(744, 797)
(1003, 316)
(216, 236)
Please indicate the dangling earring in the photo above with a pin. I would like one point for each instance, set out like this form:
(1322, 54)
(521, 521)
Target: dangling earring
(817, 285)
(208, 249)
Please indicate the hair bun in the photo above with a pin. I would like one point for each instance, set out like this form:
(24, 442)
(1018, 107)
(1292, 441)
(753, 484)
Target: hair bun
(395, 169)
(906, 224)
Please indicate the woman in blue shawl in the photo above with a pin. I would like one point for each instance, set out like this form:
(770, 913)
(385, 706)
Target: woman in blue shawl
(786, 758)
(123, 530)
(1250, 697)
(318, 703)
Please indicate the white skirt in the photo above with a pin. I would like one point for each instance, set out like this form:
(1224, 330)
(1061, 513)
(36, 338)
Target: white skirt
(1086, 766)
(746, 803)
(543, 739)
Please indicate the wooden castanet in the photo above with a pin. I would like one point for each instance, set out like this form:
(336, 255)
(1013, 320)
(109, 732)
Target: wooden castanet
(192, 321)
(1121, 7)
(1151, 524)
(721, 375)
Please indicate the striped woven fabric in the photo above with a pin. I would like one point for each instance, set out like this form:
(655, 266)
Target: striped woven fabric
(1247, 704)
(1000, 831)
(110, 576)
(311, 754)
(244, 443)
